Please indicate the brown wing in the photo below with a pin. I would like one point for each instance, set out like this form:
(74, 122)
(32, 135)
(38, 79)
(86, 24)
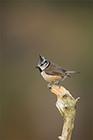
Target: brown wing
(55, 70)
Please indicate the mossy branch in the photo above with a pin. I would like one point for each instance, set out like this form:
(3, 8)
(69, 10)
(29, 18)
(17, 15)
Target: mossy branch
(66, 105)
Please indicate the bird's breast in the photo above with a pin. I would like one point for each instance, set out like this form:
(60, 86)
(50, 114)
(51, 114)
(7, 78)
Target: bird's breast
(50, 78)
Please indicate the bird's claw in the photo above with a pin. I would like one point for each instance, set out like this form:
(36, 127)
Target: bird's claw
(49, 85)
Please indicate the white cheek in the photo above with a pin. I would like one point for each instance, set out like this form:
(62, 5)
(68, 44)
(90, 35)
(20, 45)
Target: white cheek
(44, 66)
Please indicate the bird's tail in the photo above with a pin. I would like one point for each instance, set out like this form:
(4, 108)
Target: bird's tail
(71, 72)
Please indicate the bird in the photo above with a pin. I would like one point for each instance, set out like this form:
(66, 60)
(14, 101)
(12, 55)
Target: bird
(51, 72)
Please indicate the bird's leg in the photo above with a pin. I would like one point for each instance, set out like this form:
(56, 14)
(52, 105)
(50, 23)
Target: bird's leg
(52, 83)
(59, 82)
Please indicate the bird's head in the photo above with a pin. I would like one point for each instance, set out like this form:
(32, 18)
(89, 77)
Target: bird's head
(42, 63)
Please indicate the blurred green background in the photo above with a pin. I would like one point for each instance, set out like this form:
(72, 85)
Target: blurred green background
(62, 31)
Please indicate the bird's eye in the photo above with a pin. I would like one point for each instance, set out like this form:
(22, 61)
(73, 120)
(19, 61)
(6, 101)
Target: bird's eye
(45, 61)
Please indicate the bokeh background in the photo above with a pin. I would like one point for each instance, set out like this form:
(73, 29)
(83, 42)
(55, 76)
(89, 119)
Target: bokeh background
(63, 32)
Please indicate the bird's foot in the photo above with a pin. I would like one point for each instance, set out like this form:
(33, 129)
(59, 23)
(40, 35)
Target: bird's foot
(58, 83)
(49, 85)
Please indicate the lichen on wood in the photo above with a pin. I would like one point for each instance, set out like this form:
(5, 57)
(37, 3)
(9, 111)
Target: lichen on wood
(66, 105)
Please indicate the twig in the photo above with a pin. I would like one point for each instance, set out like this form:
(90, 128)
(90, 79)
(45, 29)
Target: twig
(66, 105)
